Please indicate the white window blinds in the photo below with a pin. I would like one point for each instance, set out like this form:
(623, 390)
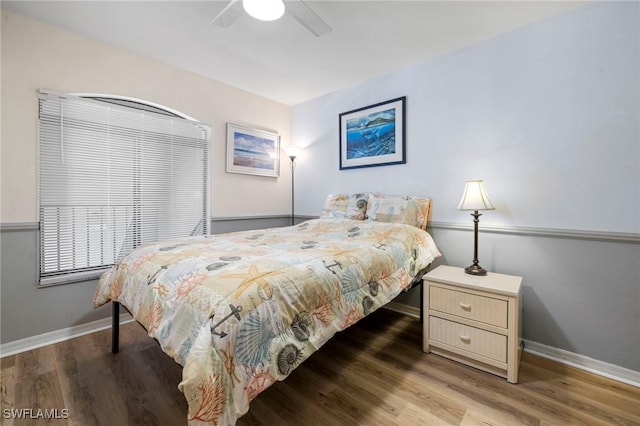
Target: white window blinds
(114, 177)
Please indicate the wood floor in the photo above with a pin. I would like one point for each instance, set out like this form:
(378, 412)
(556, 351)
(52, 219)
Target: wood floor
(371, 374)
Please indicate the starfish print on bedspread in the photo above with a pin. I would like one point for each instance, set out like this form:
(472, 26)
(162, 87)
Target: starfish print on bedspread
(336, 251)
(380, 237)
(253, 275)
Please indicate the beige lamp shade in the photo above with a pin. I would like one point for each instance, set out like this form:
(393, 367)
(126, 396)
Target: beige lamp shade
(475, 197)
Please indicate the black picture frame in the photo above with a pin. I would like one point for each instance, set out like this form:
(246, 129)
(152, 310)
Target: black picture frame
(373, 135)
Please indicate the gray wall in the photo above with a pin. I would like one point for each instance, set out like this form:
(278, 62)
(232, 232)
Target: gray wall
(222, 225)
(549, 117)
(581, 295)
(27, 310)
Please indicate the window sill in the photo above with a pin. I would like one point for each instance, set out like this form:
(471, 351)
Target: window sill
(74, 277)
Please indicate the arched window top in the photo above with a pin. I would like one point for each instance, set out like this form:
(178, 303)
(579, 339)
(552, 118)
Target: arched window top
(130, 102)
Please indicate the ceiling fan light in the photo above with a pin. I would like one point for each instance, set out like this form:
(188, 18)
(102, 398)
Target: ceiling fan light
(265, 10)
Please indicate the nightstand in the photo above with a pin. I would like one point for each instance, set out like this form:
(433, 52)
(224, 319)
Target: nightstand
(473, 319)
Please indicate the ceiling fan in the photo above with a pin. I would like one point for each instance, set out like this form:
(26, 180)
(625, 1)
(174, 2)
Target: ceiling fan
(271, 10)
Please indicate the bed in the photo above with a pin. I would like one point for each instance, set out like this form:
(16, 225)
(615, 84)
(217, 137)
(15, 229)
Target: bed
(239, 311)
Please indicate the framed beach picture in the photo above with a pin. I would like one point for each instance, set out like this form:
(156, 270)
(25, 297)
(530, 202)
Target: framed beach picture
(252, 151)
(373, 135)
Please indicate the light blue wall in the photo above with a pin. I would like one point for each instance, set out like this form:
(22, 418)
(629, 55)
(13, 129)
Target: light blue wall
(548, 116)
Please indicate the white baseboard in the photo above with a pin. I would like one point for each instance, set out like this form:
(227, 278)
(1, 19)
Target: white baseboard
(34, 342)
(582, 362)
(611, 371)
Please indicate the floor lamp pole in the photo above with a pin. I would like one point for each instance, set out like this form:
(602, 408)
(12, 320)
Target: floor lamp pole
(293, 167)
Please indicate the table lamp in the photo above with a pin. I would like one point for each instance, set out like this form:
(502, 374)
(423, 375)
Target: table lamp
(475, 198)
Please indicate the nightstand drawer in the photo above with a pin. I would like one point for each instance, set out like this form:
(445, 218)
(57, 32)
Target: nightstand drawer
(475, 340)
(488, 310)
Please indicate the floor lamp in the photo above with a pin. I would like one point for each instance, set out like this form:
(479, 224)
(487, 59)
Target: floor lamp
(292, 152)
(475, 198)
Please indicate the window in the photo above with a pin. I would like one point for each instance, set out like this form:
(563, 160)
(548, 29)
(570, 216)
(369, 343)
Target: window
(113, 177)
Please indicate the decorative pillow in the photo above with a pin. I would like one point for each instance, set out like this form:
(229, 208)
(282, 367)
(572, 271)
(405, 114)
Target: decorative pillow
(399, 209)
(343, 206)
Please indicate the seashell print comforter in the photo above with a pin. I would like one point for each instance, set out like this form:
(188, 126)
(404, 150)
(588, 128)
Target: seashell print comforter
(239, 311)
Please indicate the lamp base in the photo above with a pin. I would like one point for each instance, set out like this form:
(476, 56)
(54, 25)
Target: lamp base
(475, 269)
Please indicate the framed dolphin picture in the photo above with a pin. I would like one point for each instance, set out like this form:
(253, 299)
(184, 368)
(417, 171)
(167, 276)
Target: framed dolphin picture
(373, 135)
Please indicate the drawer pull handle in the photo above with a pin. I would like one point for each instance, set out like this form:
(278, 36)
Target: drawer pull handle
(464, 338)
(465, 306)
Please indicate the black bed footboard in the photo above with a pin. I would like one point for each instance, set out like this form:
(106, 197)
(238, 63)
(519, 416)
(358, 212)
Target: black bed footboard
(115, 327)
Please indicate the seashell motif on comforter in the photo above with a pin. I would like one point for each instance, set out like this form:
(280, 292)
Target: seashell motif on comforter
(239, 311)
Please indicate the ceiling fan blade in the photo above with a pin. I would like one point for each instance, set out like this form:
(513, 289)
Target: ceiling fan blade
(307, 17)
(231, 12)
